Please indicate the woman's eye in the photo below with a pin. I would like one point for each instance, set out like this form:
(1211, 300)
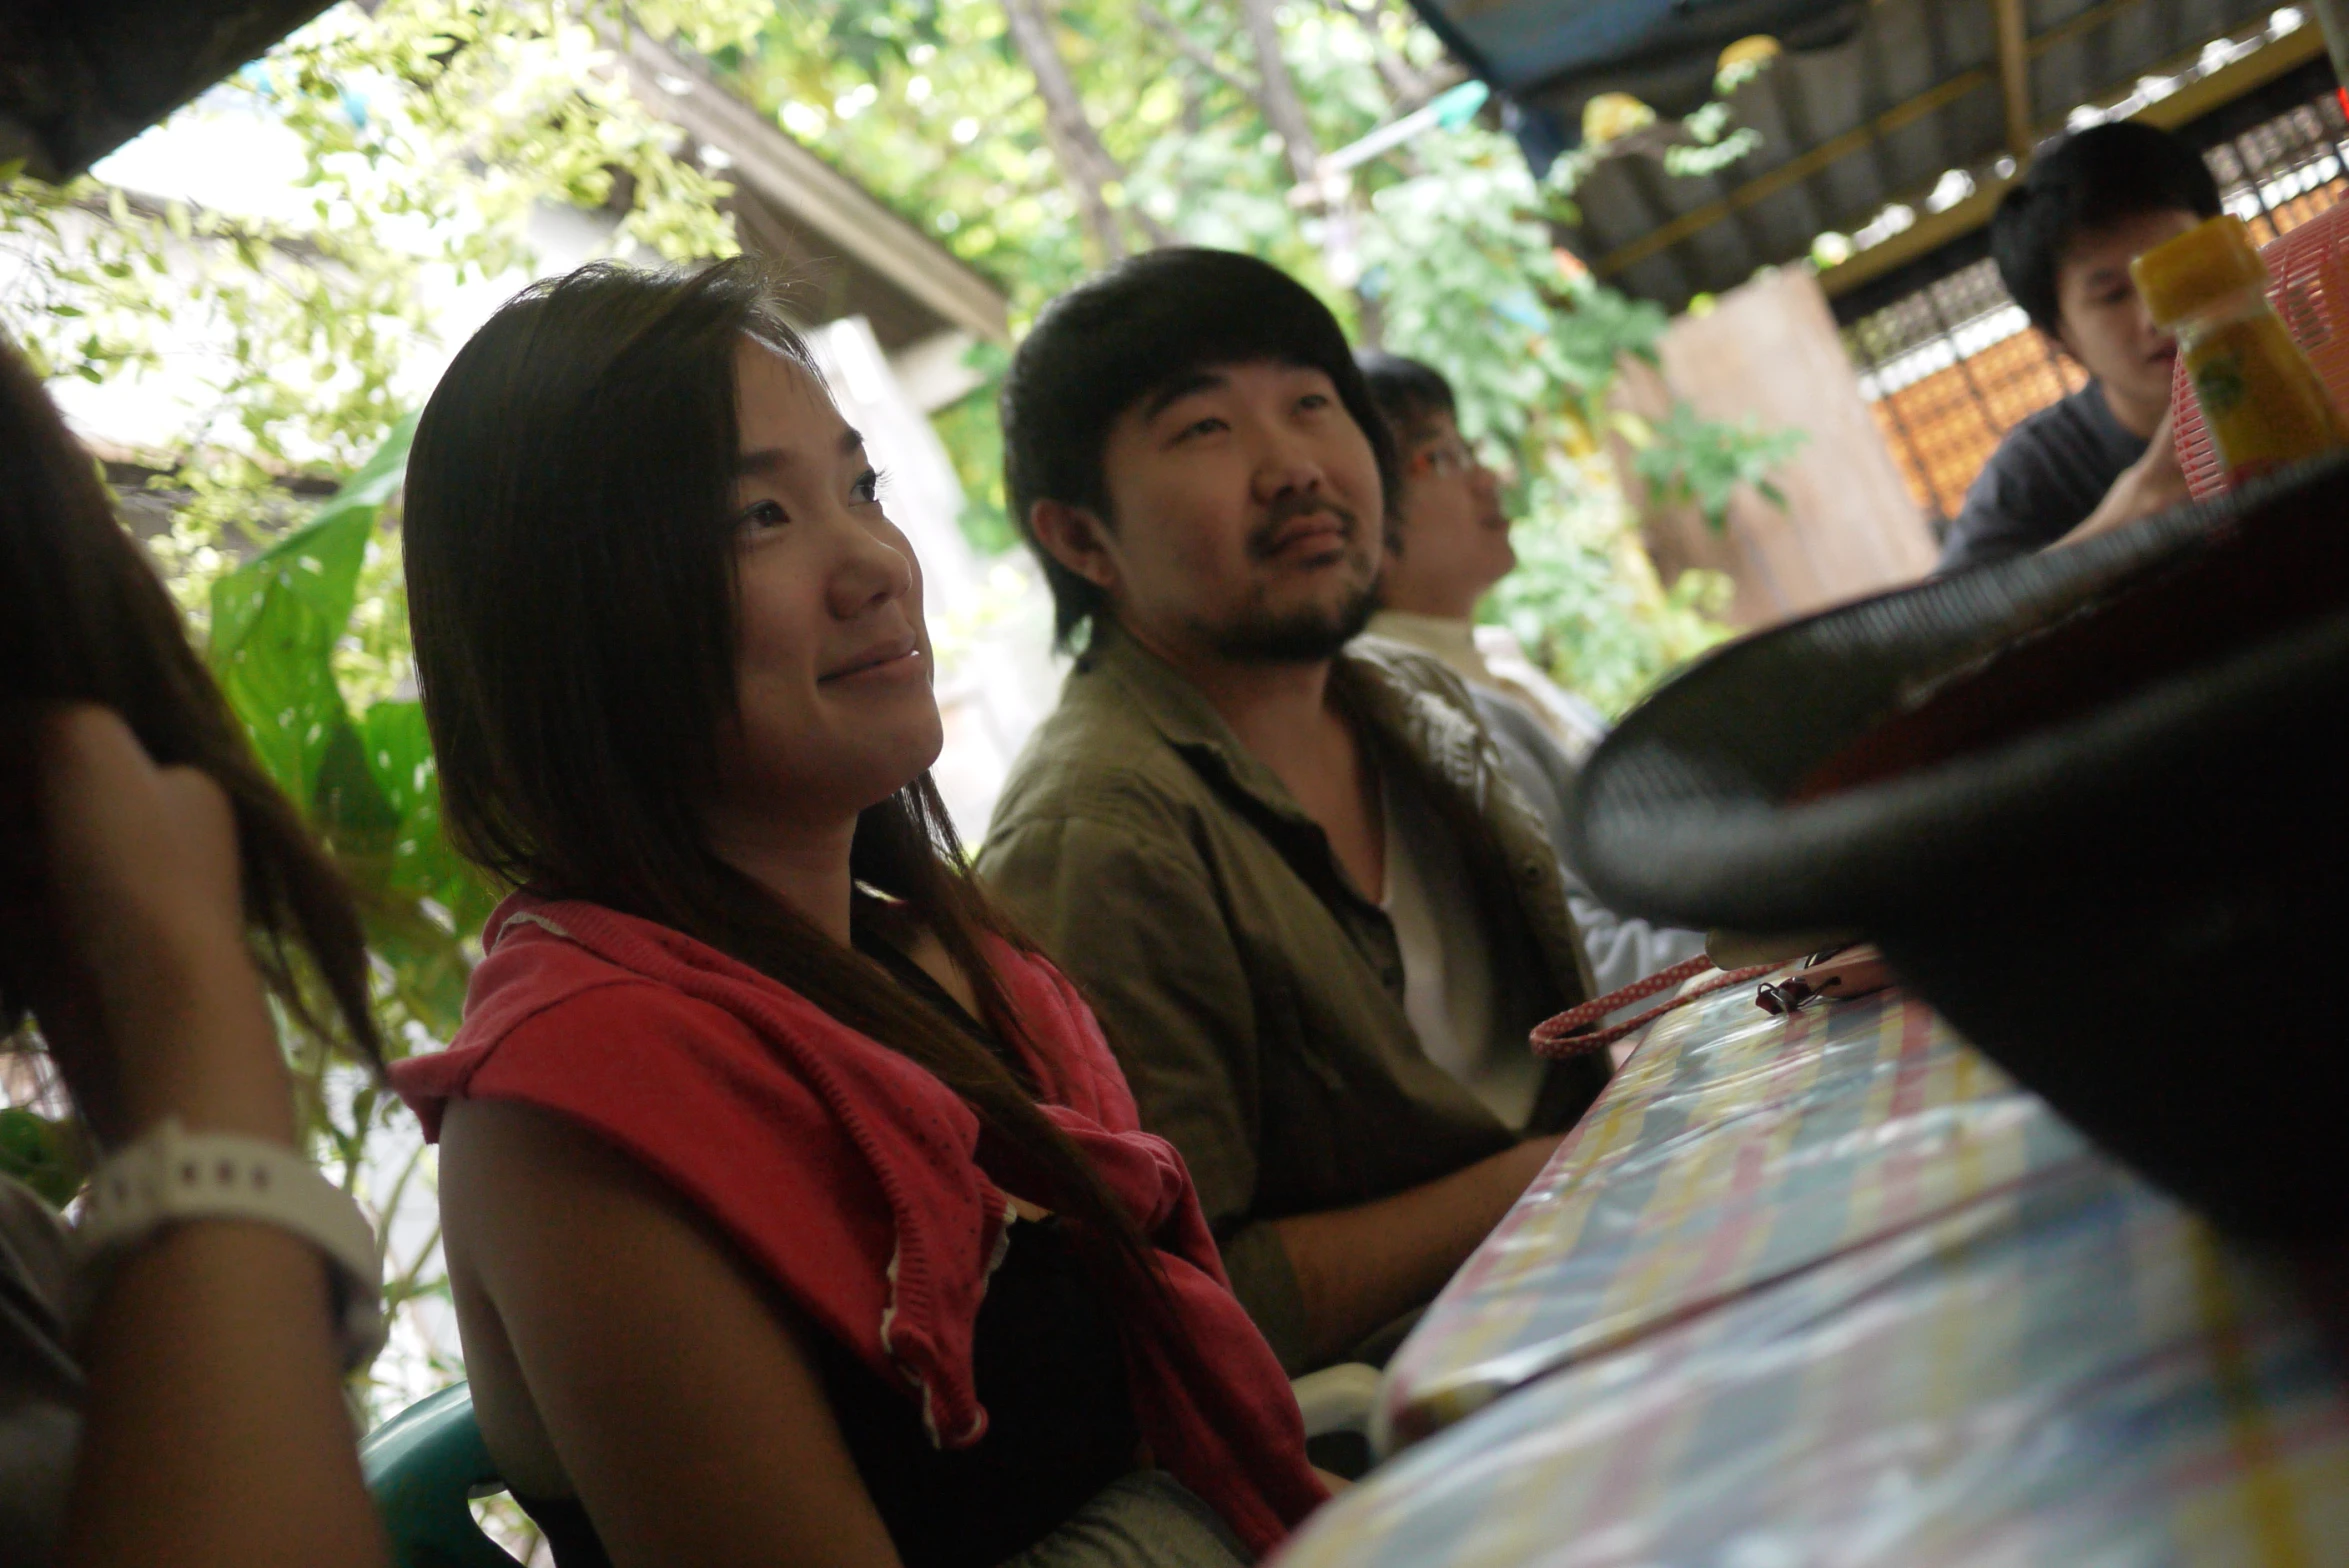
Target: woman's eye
(1200, 427)
(867, 488)
(764, 514)
(1314, 400)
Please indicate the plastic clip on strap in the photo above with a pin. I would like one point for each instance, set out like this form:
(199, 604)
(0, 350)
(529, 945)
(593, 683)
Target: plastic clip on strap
(1836, 974)
(170, 1175)
(1564, 1036)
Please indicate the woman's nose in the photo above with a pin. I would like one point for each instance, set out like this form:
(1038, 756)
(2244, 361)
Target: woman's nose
(872, 571)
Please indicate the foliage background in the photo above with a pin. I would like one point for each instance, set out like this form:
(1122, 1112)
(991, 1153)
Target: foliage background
(1035, 141)
(1443, 250)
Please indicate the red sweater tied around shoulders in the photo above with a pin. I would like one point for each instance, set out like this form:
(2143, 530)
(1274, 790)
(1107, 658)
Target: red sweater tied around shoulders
(850, 1175)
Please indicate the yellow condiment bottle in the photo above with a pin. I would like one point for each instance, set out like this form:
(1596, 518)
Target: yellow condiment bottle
(2261, 403)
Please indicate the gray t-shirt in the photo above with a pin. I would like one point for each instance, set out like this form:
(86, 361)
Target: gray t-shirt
(1620, 949)
(2049, 473)
(40, 1387)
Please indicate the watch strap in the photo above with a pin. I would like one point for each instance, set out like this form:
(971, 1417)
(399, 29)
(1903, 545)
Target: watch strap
(169, 1175)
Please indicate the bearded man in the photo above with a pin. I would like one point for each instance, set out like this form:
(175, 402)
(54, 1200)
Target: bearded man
(1289, 873)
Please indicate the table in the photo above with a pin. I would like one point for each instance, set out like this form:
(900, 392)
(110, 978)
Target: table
(1831, 1289)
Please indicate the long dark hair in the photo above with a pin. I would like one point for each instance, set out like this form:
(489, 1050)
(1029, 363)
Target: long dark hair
(571, 589)
(83, 618)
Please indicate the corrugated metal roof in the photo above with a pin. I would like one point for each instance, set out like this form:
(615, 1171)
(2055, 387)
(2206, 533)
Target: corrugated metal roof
(1892, 97)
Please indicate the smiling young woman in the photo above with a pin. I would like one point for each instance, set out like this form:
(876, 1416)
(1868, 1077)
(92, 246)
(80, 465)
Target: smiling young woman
(795, 1209)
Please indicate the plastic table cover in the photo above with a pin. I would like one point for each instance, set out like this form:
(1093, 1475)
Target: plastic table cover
(1829, 1289)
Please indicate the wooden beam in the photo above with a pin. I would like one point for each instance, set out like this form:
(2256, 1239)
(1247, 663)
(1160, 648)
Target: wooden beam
(2065, 32)
(772, 167)
(2230, 82)
(2191, 102)
(1834, 150)
(2014, 74)
(1928, 234)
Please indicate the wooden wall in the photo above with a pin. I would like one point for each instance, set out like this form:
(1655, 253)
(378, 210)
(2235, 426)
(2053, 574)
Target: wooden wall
(1769, 352)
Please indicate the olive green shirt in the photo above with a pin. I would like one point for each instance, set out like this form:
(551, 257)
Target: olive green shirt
(1253, 994)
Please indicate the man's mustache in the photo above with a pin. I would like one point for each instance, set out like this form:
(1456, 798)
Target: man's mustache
(1264, 538)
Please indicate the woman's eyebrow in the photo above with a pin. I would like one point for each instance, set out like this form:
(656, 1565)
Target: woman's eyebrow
(770, 459)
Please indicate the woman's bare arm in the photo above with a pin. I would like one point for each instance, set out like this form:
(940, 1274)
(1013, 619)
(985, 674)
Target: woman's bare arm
(215, 1434)
(676, 1394)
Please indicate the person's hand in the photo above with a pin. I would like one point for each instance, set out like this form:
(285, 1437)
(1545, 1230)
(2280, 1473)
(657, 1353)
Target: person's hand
(2153, 483)
(148, 998)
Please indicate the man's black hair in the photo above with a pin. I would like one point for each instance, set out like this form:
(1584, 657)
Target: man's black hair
(2090, 180)
(1406, 391)
(1137, 329)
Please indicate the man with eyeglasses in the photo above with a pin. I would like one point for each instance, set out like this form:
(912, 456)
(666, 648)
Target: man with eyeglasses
(1447, 545)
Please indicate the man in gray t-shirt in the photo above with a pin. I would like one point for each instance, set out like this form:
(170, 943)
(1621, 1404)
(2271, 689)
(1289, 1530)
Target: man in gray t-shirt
(2048, 476)
(2064, 239)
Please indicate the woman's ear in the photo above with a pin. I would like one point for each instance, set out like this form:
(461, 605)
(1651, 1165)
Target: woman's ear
(1076, 539)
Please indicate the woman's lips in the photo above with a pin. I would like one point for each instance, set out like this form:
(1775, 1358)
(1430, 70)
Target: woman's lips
(890, 663)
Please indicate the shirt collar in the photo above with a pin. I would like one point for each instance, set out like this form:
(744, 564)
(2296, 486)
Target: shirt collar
(1451, 640)
(1183, 716)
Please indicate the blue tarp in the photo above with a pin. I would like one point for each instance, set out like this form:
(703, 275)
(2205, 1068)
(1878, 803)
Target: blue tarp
(1547, 58)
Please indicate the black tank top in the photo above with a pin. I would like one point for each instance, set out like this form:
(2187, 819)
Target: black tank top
(1049, 1370)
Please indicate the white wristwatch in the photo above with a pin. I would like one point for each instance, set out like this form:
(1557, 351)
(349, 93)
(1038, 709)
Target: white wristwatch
(170, 1174)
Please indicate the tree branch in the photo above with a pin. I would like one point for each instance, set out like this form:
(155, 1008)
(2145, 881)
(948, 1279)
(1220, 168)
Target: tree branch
(1084, 162)
(1196, 52)
(1406, 84)
(1283, 110)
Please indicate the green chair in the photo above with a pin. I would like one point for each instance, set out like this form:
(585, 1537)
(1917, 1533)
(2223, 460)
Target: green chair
(426, 1463)
(423, 1466)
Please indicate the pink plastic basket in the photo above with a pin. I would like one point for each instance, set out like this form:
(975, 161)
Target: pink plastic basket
(2308, 271)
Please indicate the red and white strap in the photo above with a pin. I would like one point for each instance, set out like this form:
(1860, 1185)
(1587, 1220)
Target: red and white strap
(1564, 1036)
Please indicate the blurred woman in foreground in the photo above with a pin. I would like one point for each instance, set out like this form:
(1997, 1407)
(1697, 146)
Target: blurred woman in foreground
(170, 1389)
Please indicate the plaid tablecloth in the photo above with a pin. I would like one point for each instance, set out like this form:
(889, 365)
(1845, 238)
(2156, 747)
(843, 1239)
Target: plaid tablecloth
(1832, 1290)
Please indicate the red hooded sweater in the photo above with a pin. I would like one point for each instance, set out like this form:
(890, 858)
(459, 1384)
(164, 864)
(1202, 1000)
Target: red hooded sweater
(850, 1174)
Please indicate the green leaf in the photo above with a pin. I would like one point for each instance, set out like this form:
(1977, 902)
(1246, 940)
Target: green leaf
(367, 783)
(45, 1155)
(275, 623)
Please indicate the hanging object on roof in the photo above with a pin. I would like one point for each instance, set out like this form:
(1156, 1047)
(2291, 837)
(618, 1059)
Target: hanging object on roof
(1748, 53)
(1550, 58)
(1612, 116)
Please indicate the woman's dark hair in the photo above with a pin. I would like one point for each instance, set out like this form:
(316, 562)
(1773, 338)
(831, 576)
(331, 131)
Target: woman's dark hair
(2090, 180)
(1137, 329)
(83, 618)
(571, 587)
(1408, 393)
